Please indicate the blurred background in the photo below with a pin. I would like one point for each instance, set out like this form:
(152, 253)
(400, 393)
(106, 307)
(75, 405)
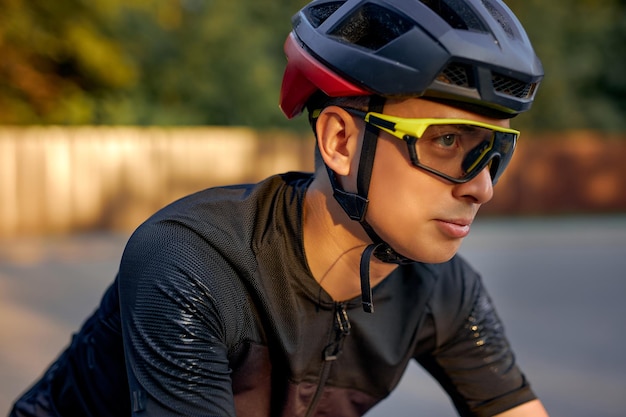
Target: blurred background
(110, 109)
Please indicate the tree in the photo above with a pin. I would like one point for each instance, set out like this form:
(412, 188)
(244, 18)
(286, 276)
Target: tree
(582, 44)
(56, 57)
(198, 62)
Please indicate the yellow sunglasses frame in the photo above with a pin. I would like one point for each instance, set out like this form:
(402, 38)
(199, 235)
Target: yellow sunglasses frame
(416, 127)
(407, 129)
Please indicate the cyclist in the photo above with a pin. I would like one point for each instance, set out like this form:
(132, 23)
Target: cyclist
(309, 294)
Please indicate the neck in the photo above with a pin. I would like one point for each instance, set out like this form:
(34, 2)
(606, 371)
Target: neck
(333, 244)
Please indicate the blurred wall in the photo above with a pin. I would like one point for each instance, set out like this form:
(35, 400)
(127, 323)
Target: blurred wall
(58, 180)
(563, 173)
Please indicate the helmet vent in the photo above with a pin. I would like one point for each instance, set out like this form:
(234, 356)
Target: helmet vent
(372, 27)
(500, 15)
(318, 14)
(456, 74)
(457, 14)
(512, 87)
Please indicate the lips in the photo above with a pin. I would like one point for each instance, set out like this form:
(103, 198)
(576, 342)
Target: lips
(454, 228)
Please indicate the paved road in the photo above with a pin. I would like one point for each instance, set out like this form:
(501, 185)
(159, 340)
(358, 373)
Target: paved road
(558, 284)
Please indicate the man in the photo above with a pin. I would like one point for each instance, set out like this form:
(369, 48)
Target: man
(307, 295)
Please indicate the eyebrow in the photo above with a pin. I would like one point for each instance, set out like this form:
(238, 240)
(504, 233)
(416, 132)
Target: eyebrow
(460, 127)
(468, 128)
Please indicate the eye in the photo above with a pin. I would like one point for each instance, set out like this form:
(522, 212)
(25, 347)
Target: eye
(447, 140)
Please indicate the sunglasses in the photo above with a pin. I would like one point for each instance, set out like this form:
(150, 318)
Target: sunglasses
(454, 149)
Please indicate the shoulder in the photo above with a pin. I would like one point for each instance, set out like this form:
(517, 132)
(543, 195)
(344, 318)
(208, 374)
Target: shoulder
(448, 285)
(204, 244)
(451, 280)
(220, 222)
(457, 291)
(225, 217)
(230, 200)
(239, 204)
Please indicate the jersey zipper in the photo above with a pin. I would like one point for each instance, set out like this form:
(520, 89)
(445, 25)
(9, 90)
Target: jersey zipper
(341, 325)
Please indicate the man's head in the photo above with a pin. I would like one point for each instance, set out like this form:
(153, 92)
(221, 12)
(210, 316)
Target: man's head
(386, 72)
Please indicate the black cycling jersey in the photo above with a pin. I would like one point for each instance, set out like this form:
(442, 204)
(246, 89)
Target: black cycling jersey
(215, 313)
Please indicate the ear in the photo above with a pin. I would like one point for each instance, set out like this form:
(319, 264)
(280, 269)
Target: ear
(338, 139)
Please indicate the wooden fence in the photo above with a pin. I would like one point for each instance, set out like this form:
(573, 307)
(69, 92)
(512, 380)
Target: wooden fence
(58, 180)
(55, 180)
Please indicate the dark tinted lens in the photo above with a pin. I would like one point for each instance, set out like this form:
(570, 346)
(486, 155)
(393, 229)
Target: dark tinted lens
(504, 145)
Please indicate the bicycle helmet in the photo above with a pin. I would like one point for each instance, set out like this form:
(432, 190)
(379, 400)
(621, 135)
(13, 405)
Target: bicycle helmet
(472, 54)
(468, 51)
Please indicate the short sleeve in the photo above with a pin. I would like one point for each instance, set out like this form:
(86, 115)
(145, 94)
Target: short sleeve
(469, 353)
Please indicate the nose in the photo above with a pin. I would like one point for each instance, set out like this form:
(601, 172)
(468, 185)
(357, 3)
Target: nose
(478, 190)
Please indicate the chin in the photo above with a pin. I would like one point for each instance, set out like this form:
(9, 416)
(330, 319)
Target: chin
(434, 255)
(438, 259)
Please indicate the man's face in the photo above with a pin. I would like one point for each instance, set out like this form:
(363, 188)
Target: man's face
(422, 216)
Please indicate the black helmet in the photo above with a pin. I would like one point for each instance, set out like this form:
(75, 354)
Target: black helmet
(472, 52)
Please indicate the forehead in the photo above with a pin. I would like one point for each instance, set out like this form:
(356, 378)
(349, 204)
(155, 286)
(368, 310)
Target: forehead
(421, 108)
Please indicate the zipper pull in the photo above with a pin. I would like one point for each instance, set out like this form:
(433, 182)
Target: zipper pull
(342, 329)
(342, 322)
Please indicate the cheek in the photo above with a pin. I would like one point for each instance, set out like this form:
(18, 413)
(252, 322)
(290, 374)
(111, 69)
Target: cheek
(397, 191)
(396, 183)
(404, 201)
(392, 184)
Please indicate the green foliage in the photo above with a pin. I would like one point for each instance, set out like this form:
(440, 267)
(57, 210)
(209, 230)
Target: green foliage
(582, 44)
(206, 62)
(55, 57)
(199, 62)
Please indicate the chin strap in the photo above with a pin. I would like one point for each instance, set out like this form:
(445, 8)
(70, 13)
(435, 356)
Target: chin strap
(364, 271)
(385, 253)
(355, 206)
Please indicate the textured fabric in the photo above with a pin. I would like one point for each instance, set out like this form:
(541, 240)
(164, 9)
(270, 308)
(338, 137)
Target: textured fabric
(88, 379)
(220, 316)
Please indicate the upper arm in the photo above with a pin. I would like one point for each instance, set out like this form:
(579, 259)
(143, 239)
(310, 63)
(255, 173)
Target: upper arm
(174, 337)
(532, 408)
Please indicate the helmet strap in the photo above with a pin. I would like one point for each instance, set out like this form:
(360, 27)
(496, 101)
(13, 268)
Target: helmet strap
(368, 150)
(355, 206)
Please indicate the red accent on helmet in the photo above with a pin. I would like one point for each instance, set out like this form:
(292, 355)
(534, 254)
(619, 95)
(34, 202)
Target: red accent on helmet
(304, 75)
